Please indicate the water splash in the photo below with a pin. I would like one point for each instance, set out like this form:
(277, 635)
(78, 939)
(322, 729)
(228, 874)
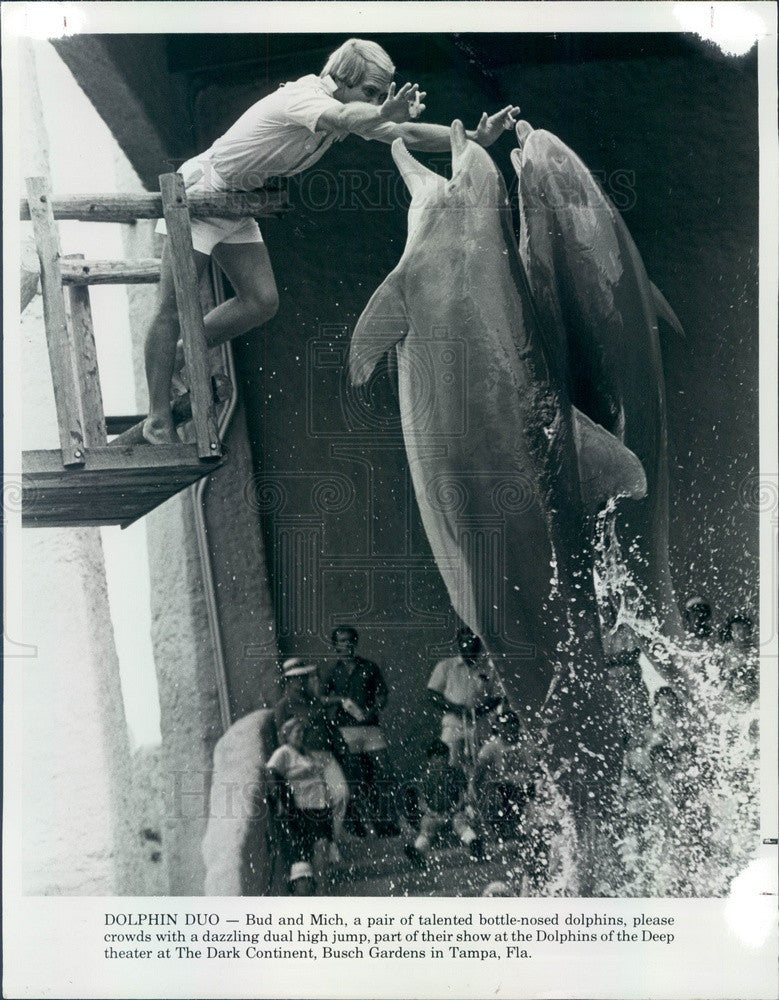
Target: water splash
(686, 817)
(687, 812)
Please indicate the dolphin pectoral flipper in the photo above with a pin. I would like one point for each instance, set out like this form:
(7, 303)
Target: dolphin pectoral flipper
(606, 467)
(664, 310)
(383, 323)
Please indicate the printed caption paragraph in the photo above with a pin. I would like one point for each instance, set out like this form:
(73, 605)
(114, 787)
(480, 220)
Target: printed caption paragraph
(475, 936)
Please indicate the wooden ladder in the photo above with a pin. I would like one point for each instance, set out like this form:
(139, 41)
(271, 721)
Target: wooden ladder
(89, 480)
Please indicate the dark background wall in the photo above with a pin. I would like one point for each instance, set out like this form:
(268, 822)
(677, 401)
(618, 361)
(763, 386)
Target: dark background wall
(670, 127)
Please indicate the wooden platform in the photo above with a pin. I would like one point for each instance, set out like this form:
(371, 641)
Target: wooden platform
(115, 485)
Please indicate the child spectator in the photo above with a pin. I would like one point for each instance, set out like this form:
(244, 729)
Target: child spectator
(697, 617)
(321, 739)
(296, 784)
(442, 802)
(503, 780)
(738, 669)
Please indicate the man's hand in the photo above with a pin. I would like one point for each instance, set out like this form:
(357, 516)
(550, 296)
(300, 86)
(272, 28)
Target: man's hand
(404, 105)
(353, 709)
(490, 127)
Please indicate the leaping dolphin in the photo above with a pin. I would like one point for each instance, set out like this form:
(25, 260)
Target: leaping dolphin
(492, 440)
(600, 311)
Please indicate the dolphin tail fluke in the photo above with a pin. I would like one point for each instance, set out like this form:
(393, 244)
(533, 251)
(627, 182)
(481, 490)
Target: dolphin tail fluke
(383, 323)
(606, 467)
(664, 311)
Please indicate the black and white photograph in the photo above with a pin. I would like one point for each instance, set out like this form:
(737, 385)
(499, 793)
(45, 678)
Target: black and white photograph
(395, 507)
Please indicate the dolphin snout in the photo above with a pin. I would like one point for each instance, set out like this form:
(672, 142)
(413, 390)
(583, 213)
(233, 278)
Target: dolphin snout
(457, 137)
(523, 130)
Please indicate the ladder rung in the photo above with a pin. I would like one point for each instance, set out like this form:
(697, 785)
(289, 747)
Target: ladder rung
(110, 272)
(121, 423)
(130, 429)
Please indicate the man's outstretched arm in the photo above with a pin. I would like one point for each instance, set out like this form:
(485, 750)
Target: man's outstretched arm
(358, 116)
(429, 138)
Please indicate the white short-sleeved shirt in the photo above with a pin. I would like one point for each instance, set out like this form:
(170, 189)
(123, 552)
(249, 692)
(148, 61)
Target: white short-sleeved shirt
(459, 684)
(276, 137)
(303, 774)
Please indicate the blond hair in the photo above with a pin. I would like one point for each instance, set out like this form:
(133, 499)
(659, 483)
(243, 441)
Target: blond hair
(357, 59)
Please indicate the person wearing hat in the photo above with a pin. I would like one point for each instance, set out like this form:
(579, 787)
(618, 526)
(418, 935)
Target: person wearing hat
(296, 784)
(355, 691)
(321, 739)
(463, 688)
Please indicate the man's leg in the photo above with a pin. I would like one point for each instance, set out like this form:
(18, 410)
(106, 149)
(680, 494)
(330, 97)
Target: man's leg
(358, 816)
(383, 793)
(337, 789)
(248, 269)
(462, 827)
(429, 826)
(160, 351)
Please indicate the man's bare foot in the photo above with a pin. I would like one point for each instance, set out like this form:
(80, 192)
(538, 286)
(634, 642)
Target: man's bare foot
(159, 432)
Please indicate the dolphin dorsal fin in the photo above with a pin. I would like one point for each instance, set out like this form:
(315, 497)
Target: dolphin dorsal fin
(382, 324)
(607, 468)
(664, 310)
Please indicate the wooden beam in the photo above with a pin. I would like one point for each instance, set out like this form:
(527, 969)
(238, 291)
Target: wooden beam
(30, 272)
(128, 208)
(83, 339)
(66, 389)
(193, 334)
(144, 270)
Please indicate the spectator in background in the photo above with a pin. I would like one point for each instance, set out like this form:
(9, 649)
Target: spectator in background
(737, 647)
(697, 616)
(503, 780)
(356, 693)
(296, 785)
(442, 801)
(321, 740)
(463, 689)
(738, 629)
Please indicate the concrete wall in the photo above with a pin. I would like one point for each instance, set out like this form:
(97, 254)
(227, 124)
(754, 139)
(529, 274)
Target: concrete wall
(126, 78)
(79, 831)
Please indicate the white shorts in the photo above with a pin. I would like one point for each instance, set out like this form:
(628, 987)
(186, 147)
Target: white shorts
(363, 739)
(206, 233)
